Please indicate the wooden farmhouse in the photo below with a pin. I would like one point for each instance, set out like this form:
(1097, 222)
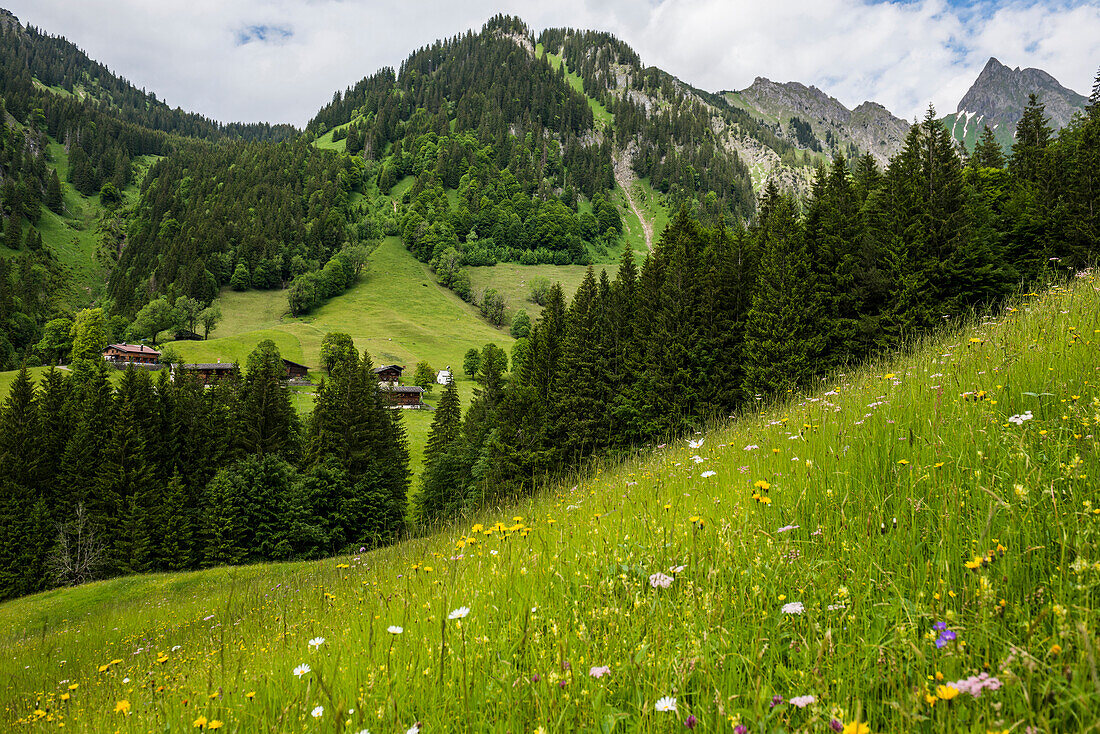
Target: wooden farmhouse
(403, 396)
(295, 371)
(389, 373)
(208, 372)
(122, 355)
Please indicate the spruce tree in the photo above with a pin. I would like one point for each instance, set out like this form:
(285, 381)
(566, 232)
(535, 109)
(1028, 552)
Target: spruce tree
(178, 536)
(782, 331)
(13, 232)
(987, 153)
(439, 496)
(122, 499)
(266, 421)
(1028, 162)
(53, 193)
(19, 437)
(55, 424)
(576, 410)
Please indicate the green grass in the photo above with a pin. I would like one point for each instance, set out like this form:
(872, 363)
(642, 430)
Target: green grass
(71, 235)
(325, 142)
(652, 205)
(599, 112)
(565, 581)
(513, 282)
(8, 377)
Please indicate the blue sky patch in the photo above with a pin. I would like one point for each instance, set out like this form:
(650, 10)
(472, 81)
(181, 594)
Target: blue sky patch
(263, 33)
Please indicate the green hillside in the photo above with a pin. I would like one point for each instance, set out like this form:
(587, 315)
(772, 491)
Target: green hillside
(71, 235)
(397, 312)
(913, 547)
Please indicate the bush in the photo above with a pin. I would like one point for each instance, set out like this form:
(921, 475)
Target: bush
(460, 284)
(540, 290)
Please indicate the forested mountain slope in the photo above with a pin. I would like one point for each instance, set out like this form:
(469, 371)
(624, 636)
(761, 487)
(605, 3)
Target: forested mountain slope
(54, 63)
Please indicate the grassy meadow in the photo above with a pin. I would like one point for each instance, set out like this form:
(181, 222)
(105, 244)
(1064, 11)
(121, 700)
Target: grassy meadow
(911, 548)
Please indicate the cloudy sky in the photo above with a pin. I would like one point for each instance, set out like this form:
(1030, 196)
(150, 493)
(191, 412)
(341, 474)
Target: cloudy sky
(280, 60)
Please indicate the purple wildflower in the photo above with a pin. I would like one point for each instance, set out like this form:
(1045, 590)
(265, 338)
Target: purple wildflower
(690, 721)
(776, 700)
(740, 729)
(835, 725)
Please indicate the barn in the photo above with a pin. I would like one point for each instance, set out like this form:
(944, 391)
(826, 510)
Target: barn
(404, 396)
(296, 371)
(208, 372)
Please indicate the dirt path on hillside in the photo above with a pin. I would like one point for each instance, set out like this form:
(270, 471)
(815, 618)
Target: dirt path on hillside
(624, 177)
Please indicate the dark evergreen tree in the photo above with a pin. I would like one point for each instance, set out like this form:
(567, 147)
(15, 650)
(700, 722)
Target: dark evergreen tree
(987, 153)
(783, 335)
(1029, 152)
(439, 496)
(266, 422)
(53, 193)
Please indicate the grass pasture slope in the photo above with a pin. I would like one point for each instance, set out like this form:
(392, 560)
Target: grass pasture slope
(912, 548)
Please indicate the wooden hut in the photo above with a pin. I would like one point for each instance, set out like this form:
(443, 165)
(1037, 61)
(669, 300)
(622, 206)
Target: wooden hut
(296, 371)
(404, 396)
(208, 372)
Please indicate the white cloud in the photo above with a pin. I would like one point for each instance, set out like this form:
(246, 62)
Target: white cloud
(280, 60)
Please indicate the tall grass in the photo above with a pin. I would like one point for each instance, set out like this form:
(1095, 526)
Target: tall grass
(872, 546)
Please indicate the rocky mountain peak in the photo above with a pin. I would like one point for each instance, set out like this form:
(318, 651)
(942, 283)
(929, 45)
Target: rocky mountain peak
(1000, 93)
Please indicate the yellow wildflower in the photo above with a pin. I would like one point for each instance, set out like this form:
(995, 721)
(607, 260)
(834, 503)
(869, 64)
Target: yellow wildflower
(946, 692)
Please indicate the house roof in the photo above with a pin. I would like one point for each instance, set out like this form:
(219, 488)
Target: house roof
(387, 367)
(208, 366)
(133, 348)
(289, 363)
(402, 388)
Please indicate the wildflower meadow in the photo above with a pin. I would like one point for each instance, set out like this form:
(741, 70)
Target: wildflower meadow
(913, 547)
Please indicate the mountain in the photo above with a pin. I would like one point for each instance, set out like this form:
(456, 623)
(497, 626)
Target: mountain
(813, 120)
(54, 64)
(998, 97)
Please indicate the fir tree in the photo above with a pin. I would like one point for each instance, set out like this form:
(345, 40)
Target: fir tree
(266, 420)
(987, 152)
(783, 328)
(438, 497)
(53, 193)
